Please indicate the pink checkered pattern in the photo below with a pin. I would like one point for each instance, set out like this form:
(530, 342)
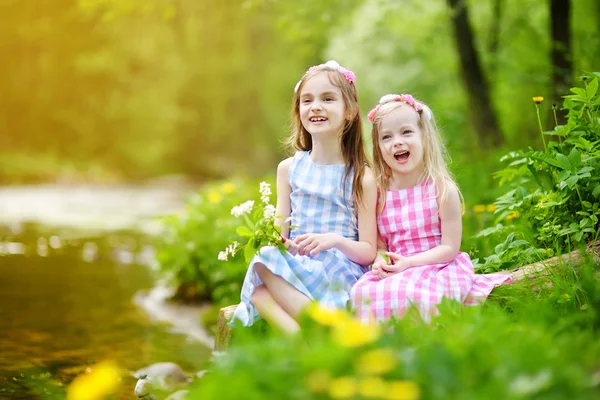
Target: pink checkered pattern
(410, 224)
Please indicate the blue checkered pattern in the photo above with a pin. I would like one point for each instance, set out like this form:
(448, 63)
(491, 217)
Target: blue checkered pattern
(321, 203)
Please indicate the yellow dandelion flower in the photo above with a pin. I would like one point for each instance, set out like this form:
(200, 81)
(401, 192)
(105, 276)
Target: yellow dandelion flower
(538, 99)
(214, 197)
(402, 390)
(326, 315)
(376, 362)
(479, 208)
(372, 386)
(228, 188)
(101, 381)
(318, 381)
(490, 207)
(513, 215)
(352, 333)
(342, 388)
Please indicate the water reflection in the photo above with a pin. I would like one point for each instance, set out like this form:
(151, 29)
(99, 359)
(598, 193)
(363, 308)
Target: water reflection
(66, 303)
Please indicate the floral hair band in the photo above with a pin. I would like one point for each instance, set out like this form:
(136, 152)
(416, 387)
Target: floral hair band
(404, 98)
(348, 75)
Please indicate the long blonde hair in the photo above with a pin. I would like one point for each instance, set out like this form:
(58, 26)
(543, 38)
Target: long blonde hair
(435, 155)
(351, 140)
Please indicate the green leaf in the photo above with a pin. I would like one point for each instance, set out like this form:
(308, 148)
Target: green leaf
(249, 251)
(243, 231)
(596, 191)
(561, 161)
(572, 180)
(574, 158)
(592, 88)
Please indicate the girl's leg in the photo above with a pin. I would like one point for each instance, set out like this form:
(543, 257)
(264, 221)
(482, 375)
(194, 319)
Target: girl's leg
(271, 311)
(290, 299)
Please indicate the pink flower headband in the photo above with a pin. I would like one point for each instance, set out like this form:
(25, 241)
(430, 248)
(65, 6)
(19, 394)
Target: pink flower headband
(405, 98)
(349, 75)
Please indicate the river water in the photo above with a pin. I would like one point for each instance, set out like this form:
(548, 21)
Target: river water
(66, 303)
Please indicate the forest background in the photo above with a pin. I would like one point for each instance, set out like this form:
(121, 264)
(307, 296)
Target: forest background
(129, 90)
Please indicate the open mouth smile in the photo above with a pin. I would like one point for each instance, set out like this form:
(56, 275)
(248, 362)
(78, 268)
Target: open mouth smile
(402, 156)
(317, 119)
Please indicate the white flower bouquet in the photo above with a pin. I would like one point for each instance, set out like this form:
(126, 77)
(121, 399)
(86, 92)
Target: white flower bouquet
(259, 226)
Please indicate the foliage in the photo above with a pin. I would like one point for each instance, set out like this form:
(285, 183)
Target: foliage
(259, 228)
(522, 343)
(187, 252)
(553, 192)
(181, 78)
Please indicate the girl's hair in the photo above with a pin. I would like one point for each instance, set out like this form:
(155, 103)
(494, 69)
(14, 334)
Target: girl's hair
(351, 140)
(435, 155)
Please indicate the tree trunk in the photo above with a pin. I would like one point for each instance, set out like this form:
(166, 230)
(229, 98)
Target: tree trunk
(480, 108)
(494, 39)
(562, 65)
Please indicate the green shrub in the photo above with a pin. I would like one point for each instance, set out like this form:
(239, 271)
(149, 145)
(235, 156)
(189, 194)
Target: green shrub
(523, 343)
(553, 197)
(187, 253)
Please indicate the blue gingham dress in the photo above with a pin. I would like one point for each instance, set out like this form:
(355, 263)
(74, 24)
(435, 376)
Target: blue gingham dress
(320, 203)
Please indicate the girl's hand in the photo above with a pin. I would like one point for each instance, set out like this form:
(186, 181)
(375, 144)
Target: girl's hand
(400, 263)
(291, 247)
(311, 244)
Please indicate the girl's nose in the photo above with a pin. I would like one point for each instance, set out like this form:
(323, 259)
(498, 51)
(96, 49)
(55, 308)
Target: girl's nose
(316, 105)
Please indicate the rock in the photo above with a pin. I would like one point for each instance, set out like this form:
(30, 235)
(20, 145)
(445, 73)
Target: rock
(178, 395)
(143, 388)
(164, 375)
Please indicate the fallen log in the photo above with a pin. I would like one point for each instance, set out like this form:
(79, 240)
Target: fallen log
(544, 267)
(223, 334)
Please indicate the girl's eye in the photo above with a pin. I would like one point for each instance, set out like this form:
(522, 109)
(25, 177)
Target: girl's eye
(384, 137)
(329, 99)
(306, 101)
(407, 132)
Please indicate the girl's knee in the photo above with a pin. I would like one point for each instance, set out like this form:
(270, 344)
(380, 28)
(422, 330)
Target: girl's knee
(261, 295)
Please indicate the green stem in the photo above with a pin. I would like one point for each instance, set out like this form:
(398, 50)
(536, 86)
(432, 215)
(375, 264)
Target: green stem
(537, 109)
(556, 121)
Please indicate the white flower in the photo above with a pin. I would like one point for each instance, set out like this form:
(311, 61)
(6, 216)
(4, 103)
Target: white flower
(269, 211)
(265, 192)
(332, 64)
(222, 256)
(242, 209)
(232, 248)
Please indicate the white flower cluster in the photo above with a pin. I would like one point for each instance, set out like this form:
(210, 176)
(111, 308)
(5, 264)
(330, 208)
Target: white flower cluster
(231, 249)
(265, 192)
(269, 212)
(244, 208)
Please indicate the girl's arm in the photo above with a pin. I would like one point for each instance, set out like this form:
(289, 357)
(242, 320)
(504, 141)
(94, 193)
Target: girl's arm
(451, 225)
(284, 205)
(362, 251)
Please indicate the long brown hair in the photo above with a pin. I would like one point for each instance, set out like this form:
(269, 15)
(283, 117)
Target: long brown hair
(351, 140)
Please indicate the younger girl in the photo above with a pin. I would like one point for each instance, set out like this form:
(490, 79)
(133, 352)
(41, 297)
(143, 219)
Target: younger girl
(330, 195)
(419, 220)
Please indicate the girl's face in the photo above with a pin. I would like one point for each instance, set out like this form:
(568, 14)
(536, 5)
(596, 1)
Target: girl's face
(401, 144)
(322, 108)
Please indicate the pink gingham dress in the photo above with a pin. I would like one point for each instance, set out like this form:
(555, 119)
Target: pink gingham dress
(410, 224)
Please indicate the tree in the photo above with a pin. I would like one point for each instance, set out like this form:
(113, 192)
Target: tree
(481, 111)
(562, 63)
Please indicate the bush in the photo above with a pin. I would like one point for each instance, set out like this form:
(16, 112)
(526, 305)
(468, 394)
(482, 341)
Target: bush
(552, 205)
(523, 343)
(187, 253)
